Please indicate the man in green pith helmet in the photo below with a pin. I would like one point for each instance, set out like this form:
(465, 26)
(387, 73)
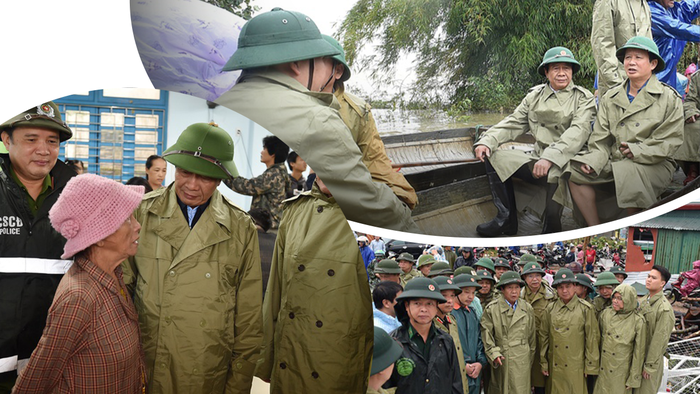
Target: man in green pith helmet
(485, 263)
(569, 339)
(429, 363)
(584, 287)
(539, 294)
(425, 263)
(488, 287)
(638, 129)
(286, 66)
(446, 321)
(500, 266)
(509, 333)
(384, 354)
(469, 331)
(196, 277)
(317, 316)
(406, 262)
(619, 273)
(386, 269)
(559, 116)
(605, 283)
(31, 180)
(356, 114)
(440, 268)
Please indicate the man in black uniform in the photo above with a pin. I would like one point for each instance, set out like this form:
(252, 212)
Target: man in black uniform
(31, 179)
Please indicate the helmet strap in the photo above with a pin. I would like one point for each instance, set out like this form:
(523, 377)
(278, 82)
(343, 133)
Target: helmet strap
(331, 77)
(312, 62)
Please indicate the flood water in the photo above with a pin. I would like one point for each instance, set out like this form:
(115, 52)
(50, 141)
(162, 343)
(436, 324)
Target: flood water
(391, 122)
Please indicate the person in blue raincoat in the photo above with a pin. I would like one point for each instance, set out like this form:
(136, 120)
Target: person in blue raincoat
(671, 27)
(470, 331)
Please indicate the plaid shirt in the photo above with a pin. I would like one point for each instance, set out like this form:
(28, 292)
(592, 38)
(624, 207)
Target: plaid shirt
(91, 340)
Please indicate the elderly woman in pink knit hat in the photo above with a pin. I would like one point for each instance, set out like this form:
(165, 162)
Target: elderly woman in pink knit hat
(91, 341)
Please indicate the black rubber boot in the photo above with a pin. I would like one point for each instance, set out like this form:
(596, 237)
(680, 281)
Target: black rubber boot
(552, 214)
(506, 220)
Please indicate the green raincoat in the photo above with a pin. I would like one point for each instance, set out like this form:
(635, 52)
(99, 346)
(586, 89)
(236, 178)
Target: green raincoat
(472, 346)
(569, 346)
(623, 339)
(660, 321)
(600, 303)
(615, 22)
(309, 123)
(198, 294)
(560, 123)
(539, 301)
(690, 149)
(652, 125)
(317, 315)
(356, 114)
(452, 329)
(513, 335)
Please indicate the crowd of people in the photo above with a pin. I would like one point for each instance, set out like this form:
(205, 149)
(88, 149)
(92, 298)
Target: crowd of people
(507, 325)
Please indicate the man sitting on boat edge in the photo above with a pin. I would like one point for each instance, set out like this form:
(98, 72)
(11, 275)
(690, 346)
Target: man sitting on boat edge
(559, 115)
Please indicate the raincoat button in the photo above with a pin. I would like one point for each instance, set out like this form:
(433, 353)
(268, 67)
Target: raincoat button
(283, 365)
(636, 125)
(314, 374)
(171, 273)
(195, 370)
(167, 320)
(162, 365)
(566, 347)
(319, 324)
(331, 272)
(319, 209)
(207, 275)
(427, 380)
(291, 315)
(556, 127)
(202, 323)
(301, 267)
(622, 124)
(239, 365)
(542, 124)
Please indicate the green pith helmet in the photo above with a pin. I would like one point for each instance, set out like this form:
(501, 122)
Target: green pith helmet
(618, 270)
(339, 57)
(440, 268)
(203, 149)
(640, 289)
(584, 280)
(564, 275)
(466, 280)
(406, 256)
(559, 55)
(387, 266)
(501, 262)
(465, 270)
(485, 262)
(45, 116)
(445, 283)
(508, 278)
(645, 44)
(426, 259)
(379, 253)
(278, 37)
(528, 258)
(485, 274)
(421, 288)
(532, 268)
(385, 352)
(606, 278)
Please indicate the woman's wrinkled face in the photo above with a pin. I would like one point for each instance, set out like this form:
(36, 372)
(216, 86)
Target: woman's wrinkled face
(617, 302)
(125, 240)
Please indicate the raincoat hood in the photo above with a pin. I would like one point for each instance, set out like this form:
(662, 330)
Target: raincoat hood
(629, 297)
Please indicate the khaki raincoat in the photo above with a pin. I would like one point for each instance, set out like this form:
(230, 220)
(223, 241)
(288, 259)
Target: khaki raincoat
(452, 329)
(600, 303)
(623, 339)
(513, 335)
(652, 125)
(309, 123)
(539, 301)
(356, 114)
(660, 321)
(317, 314)
(615, 22)
(198, 294)
(690, 149)
(569, 346)
(406, 276)
(560, 122)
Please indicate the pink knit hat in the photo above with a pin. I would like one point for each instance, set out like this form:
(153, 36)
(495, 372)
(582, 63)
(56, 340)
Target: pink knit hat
(90, 209)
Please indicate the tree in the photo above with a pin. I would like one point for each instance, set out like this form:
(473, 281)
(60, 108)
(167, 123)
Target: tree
(242, 8)
(482, 52)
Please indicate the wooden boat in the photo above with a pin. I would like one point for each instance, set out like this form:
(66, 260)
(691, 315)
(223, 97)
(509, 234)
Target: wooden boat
(453, 192)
